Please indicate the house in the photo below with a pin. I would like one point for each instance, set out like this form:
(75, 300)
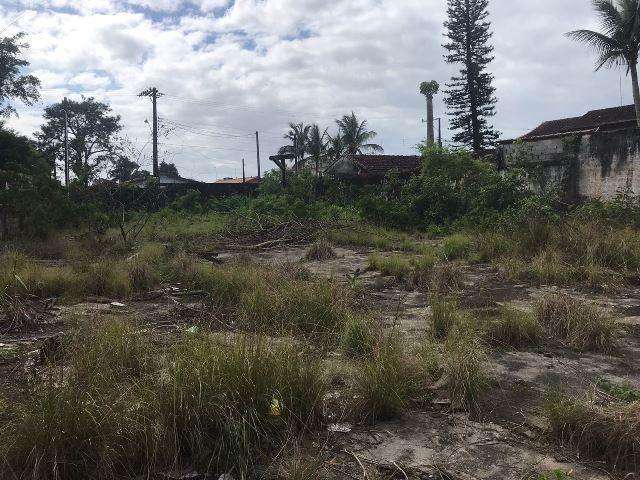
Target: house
(596, 155)
(373, 168)
(238, 181)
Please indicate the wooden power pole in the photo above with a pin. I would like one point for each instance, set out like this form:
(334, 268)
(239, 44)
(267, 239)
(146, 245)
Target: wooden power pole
(258, 152)
(154, 95)
(244, 178)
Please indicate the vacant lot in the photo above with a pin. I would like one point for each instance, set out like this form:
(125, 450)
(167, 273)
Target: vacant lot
(301, 351)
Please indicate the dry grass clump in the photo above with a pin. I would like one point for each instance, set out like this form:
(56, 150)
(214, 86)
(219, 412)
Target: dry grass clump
(445, 313)
(463, 363)
(581, 325)
(513, 328)
(125, 408)
(447, 277)
(606, 432)
(413, 271)
(359, 336)
(320, 251)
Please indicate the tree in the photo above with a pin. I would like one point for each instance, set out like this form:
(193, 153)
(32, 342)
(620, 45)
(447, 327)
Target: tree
(124, 170)
(30, 200)
(336, 146)
(470, 96)
(168, 169)
(619, 43)
(356, 137)
(92, 136)
(298, 134)
(13, 84)
(429, 89)
(316, 146)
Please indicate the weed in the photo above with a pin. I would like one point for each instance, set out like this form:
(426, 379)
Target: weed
(447, 277)
(581, 325)
(623, 392)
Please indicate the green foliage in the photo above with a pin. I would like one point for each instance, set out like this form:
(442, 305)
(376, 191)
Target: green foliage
(14, 85)
(359, 336)
(624, 392)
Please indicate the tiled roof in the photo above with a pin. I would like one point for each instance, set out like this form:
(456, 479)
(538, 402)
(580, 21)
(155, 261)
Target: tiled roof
(380, 165)
(235, 181)
(606, 118)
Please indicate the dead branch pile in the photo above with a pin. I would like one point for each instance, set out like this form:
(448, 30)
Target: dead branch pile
(23, 313)
(291, 233)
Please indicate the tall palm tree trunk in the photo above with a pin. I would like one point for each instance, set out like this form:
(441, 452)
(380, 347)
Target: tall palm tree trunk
(430, 130)
(633, 67)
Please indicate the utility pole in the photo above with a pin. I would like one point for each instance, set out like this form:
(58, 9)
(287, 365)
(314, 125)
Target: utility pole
(244, 178)
(66, 145)
(439, 131)
(154, 95)
(258, 152)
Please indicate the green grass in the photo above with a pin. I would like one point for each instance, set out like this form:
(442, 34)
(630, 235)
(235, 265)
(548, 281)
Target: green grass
(444, 315)
(609, 432)
(623, 392)
(456, 247)
(580, 325)
(127, 408)
(413, 271)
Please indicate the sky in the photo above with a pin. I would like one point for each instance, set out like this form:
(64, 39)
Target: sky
(229, 68)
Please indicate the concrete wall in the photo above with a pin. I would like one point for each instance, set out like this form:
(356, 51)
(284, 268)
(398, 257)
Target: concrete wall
(598, 165)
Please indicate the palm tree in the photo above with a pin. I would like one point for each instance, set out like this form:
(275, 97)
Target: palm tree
(356, 137)
(335, 146)
(619, 43)
(316, 146)
(298, 134)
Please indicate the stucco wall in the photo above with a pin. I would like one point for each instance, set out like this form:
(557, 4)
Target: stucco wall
(593, 166)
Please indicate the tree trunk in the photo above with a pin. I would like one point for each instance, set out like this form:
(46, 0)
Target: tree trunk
(430, 131)
(636, 90)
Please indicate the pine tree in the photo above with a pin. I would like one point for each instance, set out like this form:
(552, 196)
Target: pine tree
(470, 96)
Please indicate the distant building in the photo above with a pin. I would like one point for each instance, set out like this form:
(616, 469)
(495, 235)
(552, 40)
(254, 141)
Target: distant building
(237, 181)
(596, 155)
(373, 168)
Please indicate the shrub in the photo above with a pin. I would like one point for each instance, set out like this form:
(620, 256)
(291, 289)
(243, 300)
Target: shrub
(609, 433)
(463, 361)
(582, 326)
(514, 328)
(320, 251)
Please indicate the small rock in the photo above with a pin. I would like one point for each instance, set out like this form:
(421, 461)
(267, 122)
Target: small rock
(118, 305)
(340, 427)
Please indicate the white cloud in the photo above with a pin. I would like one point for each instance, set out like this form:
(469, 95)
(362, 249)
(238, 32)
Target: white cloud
(263, 63)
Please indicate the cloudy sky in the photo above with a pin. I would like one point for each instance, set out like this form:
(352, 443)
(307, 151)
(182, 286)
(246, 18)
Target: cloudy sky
(230, 68)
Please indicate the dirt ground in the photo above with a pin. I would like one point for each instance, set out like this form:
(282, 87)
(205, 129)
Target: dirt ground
(505, 440)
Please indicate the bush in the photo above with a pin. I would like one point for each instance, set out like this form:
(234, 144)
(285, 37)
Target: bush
(582, 326)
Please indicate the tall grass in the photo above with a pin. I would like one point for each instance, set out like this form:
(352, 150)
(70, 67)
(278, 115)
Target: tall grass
(609, 432)
(513, 328)
(581, 325)
(126, 408)
(444, 315)
(414, 271)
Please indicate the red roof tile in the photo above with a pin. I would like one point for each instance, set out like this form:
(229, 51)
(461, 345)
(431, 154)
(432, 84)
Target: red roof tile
(606, 118)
